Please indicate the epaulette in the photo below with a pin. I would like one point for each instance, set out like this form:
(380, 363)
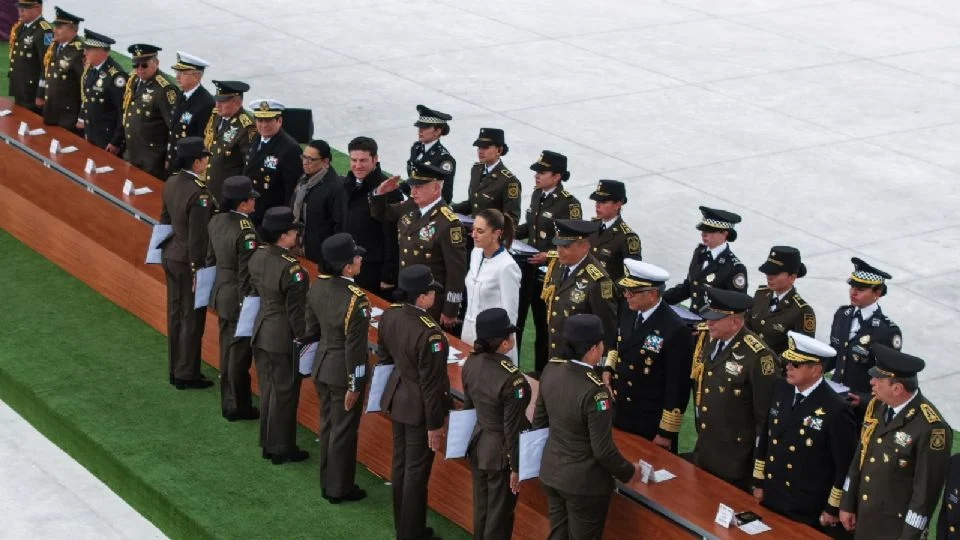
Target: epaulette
(557, 361)
(505, 171)
(245, 119)
(891, 323)
(475, 164)
(246, 224)
(799, 300)
(357, 291)
(762, 288)
(427, 321)
(929, 413)
(448, 213)
(552, 254)
(735, 260)
(396, 305)
(625, 228)
(324, 276)
(752, 342)
(289, 258)
(594, 219)
(78, 44)
(162, 81)
(594, 272)
(593, 377)
(701, 327)
(565, 193)
(508, 365)
(45, 25)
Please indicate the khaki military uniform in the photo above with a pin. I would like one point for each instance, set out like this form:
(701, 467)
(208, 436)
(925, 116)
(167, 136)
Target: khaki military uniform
(28, 44)
(498, 189)
(791, 313)
(63, 70)
(417, 398)
(614, 244)
(188, 207)
(499, 392)
(732, 400)
(102, 103)
(228, 140)
(146, 122)
(282, 286)
(437, 240)
(898, 471)
(339, 313)
(588, 289)
(579, 461)
(232, 242)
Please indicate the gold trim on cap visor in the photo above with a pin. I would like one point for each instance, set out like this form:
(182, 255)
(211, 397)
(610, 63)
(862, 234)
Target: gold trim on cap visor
(885, 373)
(632, 283)
(793, 355)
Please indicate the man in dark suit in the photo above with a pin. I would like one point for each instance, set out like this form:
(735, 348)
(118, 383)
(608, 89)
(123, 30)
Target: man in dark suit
(60, 91)
(29, 39)
(777, 306)
(416, 396)
(428, 150)
(809, 441)
(273, 163)
(614, 242)
(379, 238)
(650, 369)
(319, 200)
(103, 86)
(579, 461)
(191, 111)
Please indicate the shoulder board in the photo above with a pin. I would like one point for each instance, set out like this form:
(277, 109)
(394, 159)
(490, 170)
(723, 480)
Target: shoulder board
(799, 300)
(478, 163)
(246, 224)
(295, 268)
(735, 260)
(565, 193)
(448, 213)
(357, 291)
(427, 321)
(505, 171)
(557, 361)
(625, 228)
(552, 254)
(45, 25)
(930, 413)
(77, 44)
(594, 220)
(162, 81)
(763, 289)
(245, 120)
(324, 276)
(289, 258)
(752, 342)
(508, 365)
(594, 272)
(396, 305)
(593, 377)
(200, 183)
(888, 321)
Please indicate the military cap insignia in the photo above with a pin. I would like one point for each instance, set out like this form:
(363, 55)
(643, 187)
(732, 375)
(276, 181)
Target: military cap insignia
(594, 272)
(928, 413)
(508, 365)
(596, 379)
(513, 191)
(767, 366)
(938, 439)
(427, 321)
(456, 235)
(809, 322)
(633, 244)
(752, 342)
(575, 211)
(606, 289)
(740, 281)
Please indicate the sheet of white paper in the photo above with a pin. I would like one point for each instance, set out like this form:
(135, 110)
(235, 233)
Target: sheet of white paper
(5, 112)
(89, 167)
(248, 315)
(104, 169)
(646, 470)
(466, 220)
(127, 186)
(38, 131)
(54, 146)
(68, 149)
(306, 358)
(724, 516)
(519, 246)
(685, 313)
(459, 431)
(755, 527)
(142, 191)
(159, 234)
(837, 387)
(453, 356)
(376, 312)
(662, 475)
(531, 452)
(381, 373)
(22, 130)
(205, 277)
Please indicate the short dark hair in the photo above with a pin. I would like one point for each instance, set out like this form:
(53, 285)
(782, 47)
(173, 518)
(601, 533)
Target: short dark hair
(364, 144)
(487, 345)
(268, 237)
(580, 348)
(230, 203)
(499, 221)
(910, 384)
(321, 147)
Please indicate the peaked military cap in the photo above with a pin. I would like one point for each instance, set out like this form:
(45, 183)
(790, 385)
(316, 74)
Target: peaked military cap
(230, 89)
(553, 162)
(571, 230)
(431, 118)
(640, 275)
(492, 137)
(784, 259)
(892, 363)
(802, 348)
(239, 188)
(266, 108)
(142, 51)
(494, 322)
(422, 173)
(340, 248)
(865, 275)
(191, 148)
(610, 190)
(715, 220)
(187, 62)
(721, 303)
(94, 40)
(63, 17)
(417, 279)
(280, 219)
(29, 3)
(583, 328)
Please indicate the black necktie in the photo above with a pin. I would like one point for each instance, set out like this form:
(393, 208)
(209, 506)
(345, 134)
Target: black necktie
(566, 274)
(718, 350)
(888, 415)
(797, 399)
(223, 122)
(774, 302)
(262, 144)
(603, 227)
(638, 321)
(543, 197)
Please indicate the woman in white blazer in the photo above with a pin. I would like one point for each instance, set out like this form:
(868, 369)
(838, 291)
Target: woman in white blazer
(494, 277)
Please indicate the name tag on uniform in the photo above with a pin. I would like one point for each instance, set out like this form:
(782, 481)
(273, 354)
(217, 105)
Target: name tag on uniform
(653, 343)
(270, 162)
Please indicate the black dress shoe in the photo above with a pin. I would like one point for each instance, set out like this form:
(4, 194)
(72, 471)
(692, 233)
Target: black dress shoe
(196, 384)
(252, 413)
(265, 454)
(172, 379)
(355, 494)
(292, 456)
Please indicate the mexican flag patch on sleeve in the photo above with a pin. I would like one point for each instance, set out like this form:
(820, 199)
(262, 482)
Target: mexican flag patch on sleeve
(436, 346)
(519, 393)
(603, 405)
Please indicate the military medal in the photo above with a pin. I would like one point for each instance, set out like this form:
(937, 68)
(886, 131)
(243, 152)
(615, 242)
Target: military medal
(186, 117)
(902, 439)
(711, 277)
(426, 233)
(653, 343)
(734, 368)
(270, 162)
(578, 296)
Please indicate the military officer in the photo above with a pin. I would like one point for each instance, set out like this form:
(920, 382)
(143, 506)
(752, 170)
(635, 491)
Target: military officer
(494, 386)
(777, 307)
(859, 326)
(579, 461)
(228, 134)
(281, 283)
(948, 523)
(428, 150)
(30, 37)
(900, 463)
(103, 84)
(548, 202)
(339, 312)
(650, 369)
(734, 373)
(713, 263)
(809, 441)
(615, 241)
(188, 207)
(233, 240)
(416, 397)
(59, 93)
(274, 162)
(492, 185)
(194, 103)
(147, 103)
(575, 282)
(429, 233)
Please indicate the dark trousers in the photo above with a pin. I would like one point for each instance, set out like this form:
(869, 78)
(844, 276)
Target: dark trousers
(412, 462)
(279, 397)
(235, 359)
(146, 158)
(184, 324)
(576, 517)
(338, 439)
(493, 504)
(531, 284)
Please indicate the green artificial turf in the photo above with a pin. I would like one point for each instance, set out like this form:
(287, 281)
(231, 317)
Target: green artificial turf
(93, 379)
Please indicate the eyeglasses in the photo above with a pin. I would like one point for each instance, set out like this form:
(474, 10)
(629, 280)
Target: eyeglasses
(309, 159)
(796, 365)
(142, 65)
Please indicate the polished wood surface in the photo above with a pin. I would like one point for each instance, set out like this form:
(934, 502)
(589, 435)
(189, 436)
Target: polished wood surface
(84, 224)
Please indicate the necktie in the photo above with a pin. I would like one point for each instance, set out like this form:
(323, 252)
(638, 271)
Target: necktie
(774, 302)
(223, 122)
(603, 227)
(543, 197)
(856, 323)
(262, 144)
(888, 415)
(638, 322)
(797, 399)
(717, 351)
(566, 274)
(707, 258)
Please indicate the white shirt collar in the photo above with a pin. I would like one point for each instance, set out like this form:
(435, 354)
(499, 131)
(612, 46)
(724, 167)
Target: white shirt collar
(488, 168)
(100, 65)
(265, 140)
(429, 145)
(574, 266)
(646, 314)
(584, 364)
(549, 191)
(718, 250)
(806, 393)
(427, 208)
(350, 279)
(187, 94)
(780, 297)
(191, 173)
(608, 224)
(896, 410)
(29, 24)
(241, 213)
(867, 312)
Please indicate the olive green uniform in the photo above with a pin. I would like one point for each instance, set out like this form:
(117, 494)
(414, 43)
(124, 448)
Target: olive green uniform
(146, 122)
(63, 72)
(228, 141)
(614, 244)
(772, 325)
(588, 289)
(28, 44)
(498, 189)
